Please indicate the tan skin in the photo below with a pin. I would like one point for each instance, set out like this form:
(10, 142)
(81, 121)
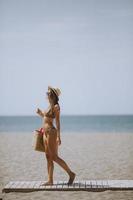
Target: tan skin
(51, 143)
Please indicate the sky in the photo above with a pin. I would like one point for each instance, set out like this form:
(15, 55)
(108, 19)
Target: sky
(83, 47)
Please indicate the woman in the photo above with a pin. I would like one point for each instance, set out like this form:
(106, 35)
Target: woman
(51, 136)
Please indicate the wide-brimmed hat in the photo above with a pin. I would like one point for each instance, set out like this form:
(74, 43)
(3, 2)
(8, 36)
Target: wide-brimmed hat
(55, 90)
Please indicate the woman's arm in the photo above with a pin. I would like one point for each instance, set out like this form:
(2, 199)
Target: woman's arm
(57, 118)
(39, 112)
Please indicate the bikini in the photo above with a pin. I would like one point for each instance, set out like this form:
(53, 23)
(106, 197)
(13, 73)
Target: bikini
(49, 114)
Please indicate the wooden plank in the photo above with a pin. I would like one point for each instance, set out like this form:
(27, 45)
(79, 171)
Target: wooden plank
(120, 184)
(37, 184)
(31, 185)
(65, 185)
(76, 184)
(42, 186)
(53, 187)
(93, 183)
(60, 185)
(23, 184)
(14, 184)
(98, 184)
(28, 184)
(9, 184)
(89, 185)
(18, 185)
(105, 184)
(81, 184)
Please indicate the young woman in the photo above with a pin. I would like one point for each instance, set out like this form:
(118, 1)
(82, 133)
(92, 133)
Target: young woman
(51, 136)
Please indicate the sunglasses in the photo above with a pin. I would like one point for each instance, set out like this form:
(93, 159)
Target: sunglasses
(47, 93)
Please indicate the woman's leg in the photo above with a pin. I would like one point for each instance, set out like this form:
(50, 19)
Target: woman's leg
(51, 149)
(50, 163)
(50, 168)
(64, 165)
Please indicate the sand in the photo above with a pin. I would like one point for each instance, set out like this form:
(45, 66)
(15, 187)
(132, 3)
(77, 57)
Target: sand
(90, 156)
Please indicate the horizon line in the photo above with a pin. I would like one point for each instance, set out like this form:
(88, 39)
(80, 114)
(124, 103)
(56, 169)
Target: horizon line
(126, 114)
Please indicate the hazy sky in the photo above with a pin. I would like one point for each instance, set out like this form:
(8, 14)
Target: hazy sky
(83, 47)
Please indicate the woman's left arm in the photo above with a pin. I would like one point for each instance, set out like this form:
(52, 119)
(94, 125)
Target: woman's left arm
(57, 118)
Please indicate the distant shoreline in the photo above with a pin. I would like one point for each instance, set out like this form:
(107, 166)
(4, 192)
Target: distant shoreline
(73, 115)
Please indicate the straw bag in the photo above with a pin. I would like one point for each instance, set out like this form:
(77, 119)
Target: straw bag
(37, 142)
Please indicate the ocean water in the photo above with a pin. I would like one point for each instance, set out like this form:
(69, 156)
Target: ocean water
(90, 124)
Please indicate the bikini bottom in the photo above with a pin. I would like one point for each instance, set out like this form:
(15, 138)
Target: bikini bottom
(50, 130)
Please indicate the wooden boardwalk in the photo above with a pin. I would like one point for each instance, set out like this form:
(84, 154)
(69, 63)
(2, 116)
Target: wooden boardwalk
(85, 185)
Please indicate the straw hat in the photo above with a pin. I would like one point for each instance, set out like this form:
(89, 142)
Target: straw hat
(55, 90)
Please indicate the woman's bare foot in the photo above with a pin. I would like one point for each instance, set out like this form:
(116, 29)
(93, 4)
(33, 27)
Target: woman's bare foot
(71, 179)
(47, 183)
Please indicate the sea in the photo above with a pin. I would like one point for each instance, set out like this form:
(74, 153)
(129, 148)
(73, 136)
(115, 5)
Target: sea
(70, 123)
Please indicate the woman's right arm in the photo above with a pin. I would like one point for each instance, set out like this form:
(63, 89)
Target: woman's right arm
(39, 112)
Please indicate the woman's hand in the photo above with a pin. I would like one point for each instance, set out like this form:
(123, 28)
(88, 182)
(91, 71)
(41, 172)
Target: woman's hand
(38, 111)
(58, 140)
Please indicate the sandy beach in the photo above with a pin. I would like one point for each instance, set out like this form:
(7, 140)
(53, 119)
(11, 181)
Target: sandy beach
(91, 156)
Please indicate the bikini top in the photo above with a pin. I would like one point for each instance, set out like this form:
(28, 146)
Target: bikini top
(50, 113)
